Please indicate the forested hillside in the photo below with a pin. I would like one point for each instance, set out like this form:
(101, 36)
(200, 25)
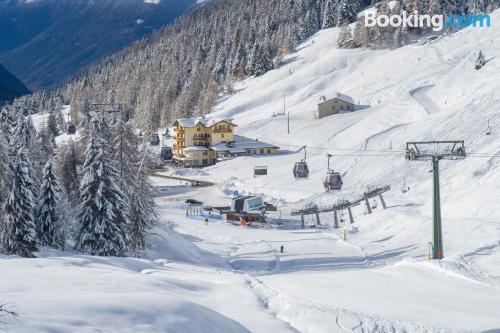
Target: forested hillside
(183, 69)
(46, 42)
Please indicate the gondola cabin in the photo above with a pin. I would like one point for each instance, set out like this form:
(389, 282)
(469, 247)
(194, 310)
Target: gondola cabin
(333, 181)
(154, 139)
(166, 153)
(301, 170)
(71, 128)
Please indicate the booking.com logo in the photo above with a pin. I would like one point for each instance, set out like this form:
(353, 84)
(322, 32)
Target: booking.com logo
(436, 22)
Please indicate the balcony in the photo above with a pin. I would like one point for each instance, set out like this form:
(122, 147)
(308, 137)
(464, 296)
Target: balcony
(223, 130)
(201, 137)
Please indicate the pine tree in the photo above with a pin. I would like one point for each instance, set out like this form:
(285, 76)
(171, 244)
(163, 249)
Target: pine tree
(259, 63)
(134, 168)
(68, 172)
(329, 15)
(52, 124)
(18, 231)
(104, 211)
(4, 169)
(143, 210)
(48, 221)
(480, 61)
(346, 39)
(345, 14)
(24, 132)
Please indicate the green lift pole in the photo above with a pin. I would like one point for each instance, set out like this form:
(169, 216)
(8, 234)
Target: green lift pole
(436, 212)
(442, 150)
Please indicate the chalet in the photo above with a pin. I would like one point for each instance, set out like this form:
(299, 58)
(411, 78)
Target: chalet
(339, 103)
(199, 142)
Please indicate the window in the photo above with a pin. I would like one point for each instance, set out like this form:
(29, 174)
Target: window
(262, 151)
(198, 129)
(269, 151)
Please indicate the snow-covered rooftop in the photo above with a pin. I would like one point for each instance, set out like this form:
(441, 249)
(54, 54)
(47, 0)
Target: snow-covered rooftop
(206, 122)
(241, 143)
(336, 95)
(195, 148)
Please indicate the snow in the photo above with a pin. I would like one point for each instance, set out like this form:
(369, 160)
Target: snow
(223, 278)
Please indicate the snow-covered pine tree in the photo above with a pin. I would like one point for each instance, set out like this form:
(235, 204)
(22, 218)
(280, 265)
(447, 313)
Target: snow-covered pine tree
(49, 228)
(329, 15)
(134, 169)
(346, 39)
(68, 172)
(104, 216)
(18, 231)
(52, 124)
(23, 133)
(345, 13)
(143, 209)
(480, 60)
(4, 169)
(259, 62)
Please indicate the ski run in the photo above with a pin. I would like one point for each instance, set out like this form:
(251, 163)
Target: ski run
(370, 276)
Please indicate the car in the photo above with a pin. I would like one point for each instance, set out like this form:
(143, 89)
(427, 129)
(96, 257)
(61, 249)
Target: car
(193, 202)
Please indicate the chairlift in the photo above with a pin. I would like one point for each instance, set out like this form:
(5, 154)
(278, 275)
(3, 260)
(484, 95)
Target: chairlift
(374, 204)
(488, 131)
(333, 180)
(342, 216)
(300, 169)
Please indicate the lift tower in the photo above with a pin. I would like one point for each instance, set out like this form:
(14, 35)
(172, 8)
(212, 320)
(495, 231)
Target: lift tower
(435, 151)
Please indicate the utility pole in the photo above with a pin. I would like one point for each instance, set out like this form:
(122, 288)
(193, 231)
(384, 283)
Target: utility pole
(288, 123)
(448, 150)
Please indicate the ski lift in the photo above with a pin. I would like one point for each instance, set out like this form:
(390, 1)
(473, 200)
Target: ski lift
(488, 131)
(71, 129)
(166, 153)
(342, 216)
(333, 180)
(404, 188)
(300, 169)
(154, 139)
(374, 204)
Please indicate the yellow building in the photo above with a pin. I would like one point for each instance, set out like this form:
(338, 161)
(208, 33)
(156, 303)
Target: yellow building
(339, 103)
(200, 142)
(195, 137)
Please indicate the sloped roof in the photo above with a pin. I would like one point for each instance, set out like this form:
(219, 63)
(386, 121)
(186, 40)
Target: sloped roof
(195, 148)
(336, 95)
(241, 143)
(206, 122)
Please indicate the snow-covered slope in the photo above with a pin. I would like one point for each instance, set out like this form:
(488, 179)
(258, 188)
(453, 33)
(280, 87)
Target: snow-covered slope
(418, 92)
(373, 276)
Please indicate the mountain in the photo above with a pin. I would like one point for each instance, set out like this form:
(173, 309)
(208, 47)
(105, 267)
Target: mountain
(10, 86)
(46, 41)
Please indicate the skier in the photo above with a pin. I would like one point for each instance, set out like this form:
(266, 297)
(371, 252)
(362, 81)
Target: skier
(282, 248)
(206, 220)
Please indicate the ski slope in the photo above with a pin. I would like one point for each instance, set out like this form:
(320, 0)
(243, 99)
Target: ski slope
(223, 278)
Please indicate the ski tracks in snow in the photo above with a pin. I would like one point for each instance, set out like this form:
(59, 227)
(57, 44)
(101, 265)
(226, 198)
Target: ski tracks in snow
(297, 311)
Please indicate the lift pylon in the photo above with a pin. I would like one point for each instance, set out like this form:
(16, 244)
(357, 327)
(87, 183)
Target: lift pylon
(442, 150)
